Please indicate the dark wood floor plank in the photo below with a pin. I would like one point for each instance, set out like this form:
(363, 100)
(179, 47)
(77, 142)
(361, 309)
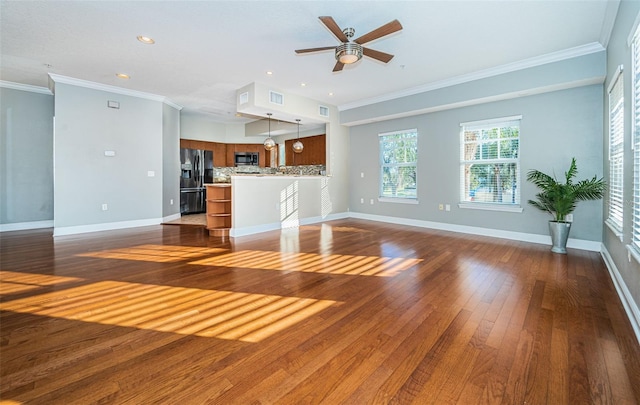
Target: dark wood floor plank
(404, 315)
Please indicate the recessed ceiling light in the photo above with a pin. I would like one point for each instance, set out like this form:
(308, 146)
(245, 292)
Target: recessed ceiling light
(331, 94)
(269, 73)
(122, 75)
(146, 40)
(303, 84)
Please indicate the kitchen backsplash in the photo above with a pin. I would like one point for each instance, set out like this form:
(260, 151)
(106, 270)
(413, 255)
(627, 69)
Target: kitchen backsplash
(308, 170)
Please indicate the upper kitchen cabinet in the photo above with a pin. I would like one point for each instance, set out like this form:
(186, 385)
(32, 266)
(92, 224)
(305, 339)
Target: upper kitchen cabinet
(219, 149)
(314, 152)
(219, 154)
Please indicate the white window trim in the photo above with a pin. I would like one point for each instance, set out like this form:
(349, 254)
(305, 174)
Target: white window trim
(634, 37)
(613, 228)
(634, 27)
(489, 123)
(633, 252)
(617, 228)
(399, 200)
(402, 200)
(490, 206)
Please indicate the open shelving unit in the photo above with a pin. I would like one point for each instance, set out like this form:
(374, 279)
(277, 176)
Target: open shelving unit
(219, 209)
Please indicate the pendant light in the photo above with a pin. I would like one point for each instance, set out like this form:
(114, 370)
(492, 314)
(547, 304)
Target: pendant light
(297, 145)
(269, 143)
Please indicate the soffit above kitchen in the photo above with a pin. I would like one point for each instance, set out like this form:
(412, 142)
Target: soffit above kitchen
(204, 51)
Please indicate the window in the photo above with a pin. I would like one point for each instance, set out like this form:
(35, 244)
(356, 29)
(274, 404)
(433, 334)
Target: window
(276, 98)
(398, 164)
(616, 152)
(635, 122)
(490, 163)
(323, 111)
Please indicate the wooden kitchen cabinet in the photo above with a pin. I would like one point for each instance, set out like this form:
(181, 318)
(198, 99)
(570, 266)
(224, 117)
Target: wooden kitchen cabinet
(314, 152)
(224, 153)
(232, 148)
(218, 209)
(219, 149)
(219, 154)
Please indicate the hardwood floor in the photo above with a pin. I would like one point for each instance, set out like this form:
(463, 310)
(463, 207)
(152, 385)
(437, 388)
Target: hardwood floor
(349, 311)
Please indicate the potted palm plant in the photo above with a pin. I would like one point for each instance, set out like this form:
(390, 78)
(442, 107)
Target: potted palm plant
(560, 199)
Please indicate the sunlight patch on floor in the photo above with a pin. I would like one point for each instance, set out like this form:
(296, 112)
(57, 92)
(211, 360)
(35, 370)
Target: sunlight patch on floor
(312, 263)
(188, 311)
(155, 253)
(12, 282)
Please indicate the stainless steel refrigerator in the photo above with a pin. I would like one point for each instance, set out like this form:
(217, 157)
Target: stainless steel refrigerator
(196, 169)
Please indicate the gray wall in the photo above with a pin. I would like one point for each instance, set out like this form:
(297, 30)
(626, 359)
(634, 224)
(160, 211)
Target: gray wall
(555, 126)
(85, 178)
(619, 53)
(170, 161)
(26, 156)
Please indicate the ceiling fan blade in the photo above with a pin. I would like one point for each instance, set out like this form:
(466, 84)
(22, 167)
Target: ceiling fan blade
(338, 67)
(388, 28)
(381, 56)
(334, 28)
(324, 48)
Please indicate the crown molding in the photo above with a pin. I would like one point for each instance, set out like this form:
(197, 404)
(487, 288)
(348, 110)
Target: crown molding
(610, 15)
(25, 87)
(54, 78)
(482, 74)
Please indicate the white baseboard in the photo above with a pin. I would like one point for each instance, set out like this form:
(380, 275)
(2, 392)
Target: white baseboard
(21, 226)
(171, 217)
(520, 236)
(474, 230)
(630, 306)
(109, 226)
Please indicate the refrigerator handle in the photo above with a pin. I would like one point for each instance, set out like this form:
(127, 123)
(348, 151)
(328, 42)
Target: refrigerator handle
(196, 170)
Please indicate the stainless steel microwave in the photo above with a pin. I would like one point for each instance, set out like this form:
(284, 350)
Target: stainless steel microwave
(247, 159)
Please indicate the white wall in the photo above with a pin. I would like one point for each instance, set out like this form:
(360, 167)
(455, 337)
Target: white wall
(555, 127)
(201, 127)
(170, 161)
(26, 159)
(85, 178)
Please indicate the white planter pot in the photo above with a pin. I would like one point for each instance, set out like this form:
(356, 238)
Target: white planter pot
(559, 234)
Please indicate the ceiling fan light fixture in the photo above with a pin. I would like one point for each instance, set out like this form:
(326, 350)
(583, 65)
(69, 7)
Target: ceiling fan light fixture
(348, 52)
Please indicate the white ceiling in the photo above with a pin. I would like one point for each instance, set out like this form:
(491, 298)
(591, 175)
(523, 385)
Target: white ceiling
(205, 50)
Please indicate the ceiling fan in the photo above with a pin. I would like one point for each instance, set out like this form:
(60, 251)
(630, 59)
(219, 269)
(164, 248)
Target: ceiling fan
(351, 51)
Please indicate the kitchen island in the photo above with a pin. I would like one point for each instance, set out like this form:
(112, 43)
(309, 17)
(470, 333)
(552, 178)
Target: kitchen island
(262, 203)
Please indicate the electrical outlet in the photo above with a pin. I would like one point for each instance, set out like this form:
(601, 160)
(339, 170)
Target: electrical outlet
(104, 207)
(447, 207)
(441, 207)
(362, 201)
(371, 201)
(171, 201)
(362, 174)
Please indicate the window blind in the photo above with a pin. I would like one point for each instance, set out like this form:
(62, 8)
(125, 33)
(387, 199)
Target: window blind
(490, 161)
(616, 153)
(635, 236)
